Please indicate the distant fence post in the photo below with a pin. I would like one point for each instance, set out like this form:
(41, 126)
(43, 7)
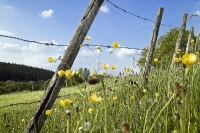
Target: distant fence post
(152, 45)
(189, 40)
(48, 99)
(180, 36)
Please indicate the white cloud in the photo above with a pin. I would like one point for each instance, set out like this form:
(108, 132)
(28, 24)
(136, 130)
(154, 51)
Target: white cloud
(9, 7)
(197, 12)
(7, 33)
(46, 13)
(123, 52)
(85, 53)
(32, 55)
(104, 9)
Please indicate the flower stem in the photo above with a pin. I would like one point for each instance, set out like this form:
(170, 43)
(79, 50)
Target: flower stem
(161, 112)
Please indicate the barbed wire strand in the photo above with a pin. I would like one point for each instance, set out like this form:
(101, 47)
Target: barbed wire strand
(189, 18)
(51, 44)
(14, 104)
(47, 44)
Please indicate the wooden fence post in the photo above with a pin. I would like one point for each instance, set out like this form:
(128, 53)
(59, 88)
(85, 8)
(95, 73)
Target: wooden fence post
(180, 36)
(189, 40)
(49, 97)
(152, 45)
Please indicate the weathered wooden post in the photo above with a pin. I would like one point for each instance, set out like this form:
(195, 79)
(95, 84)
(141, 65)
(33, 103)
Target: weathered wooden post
(152, 45)
(180, 36)
(54, 86)
(189, 39)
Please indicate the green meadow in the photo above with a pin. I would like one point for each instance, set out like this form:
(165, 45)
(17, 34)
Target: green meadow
(169, 103)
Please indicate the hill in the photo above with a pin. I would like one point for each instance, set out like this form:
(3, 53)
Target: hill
(17, 72)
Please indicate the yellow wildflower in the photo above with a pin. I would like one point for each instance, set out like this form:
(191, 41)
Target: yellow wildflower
(88, 38)
(145, 90)
(155, 59)
(140, 102)
(113, 67)
(115, 98)
(94, 73)
(105, 66)
(132, 97)
(61, 73)
(103, 73)
(50, 59)
(189, 59)
(94, 98)
(23, 120)
(48, 112)
(115, 45)
(127, 70)
(69, 74)
(90, 110)
(99, 47)
(65, 103)
(192, 41)
(157, 94)
(177, 59)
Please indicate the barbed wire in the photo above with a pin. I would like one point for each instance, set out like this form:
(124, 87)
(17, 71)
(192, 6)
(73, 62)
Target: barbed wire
(51, 44)
(13, 104)
(146, 19)
(47, 44)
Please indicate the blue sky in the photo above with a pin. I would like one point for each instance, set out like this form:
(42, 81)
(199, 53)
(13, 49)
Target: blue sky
(56, 21)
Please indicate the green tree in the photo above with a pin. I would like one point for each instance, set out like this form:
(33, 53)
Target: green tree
(165, 47)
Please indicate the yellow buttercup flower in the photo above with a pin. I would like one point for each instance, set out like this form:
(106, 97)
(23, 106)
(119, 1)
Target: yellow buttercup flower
(155, 59)
(90, 110)
(127, 70)
(88, 38)
(132, 97)
(115, 98)
(50, 59)
(115, 45)
(145, 90)
(157, 94)
(177, 59)
(178, 51)
(94, 73)
(99, 47)
(61, 73)
(113, 67)
(69, 74)
(94, 98)
(105, 66)
(192, 41)
(65, 103)
(103, 73)
(48, 112)
(189, 59)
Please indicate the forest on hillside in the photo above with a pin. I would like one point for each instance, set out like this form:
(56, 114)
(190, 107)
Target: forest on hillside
(17, 72)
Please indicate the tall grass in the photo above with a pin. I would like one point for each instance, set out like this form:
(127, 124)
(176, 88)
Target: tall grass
(155, 108)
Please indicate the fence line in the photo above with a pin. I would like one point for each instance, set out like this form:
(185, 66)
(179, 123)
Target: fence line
(13, 104)
(51, 44)
(147, 19)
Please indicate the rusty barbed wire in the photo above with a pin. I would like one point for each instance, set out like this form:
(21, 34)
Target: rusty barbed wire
(51, 44)
(189, 18)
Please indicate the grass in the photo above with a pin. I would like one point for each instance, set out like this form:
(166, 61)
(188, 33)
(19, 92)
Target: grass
(158, 107)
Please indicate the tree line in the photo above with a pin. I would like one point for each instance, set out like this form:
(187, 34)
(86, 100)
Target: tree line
(17, 72)
(16, 78)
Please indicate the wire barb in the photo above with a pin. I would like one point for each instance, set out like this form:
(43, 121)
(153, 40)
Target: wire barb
(138, 15)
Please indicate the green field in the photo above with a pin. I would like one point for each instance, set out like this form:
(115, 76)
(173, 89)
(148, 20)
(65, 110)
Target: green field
(170, 103)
